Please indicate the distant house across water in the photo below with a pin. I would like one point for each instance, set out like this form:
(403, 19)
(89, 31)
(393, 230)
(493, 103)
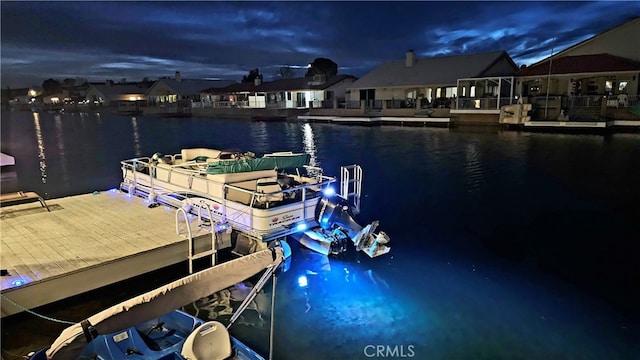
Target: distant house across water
(112, 94)
(596, 78)
(432, 82)
(297, 93)
(171, 91)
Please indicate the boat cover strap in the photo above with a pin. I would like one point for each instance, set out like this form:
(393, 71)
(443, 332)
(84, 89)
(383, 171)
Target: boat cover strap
(90, 332)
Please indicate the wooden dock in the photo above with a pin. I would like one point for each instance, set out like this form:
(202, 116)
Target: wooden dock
(85, 242)
(378, 120)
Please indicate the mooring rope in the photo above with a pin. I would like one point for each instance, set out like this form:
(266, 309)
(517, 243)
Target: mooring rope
(35, 313)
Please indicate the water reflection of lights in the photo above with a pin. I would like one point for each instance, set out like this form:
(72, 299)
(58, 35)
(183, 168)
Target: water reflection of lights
(473, 167)
(60, 136)
(260, 137)
(43, 162)
(137, 150)
(309, 143)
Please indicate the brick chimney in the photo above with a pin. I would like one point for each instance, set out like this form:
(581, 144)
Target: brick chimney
(411, 58)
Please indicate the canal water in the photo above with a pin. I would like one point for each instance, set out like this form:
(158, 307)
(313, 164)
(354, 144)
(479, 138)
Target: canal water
(505, 245)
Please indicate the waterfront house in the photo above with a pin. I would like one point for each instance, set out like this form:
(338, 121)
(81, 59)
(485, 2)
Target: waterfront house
(403, 87)
(168, 92)
(110, 94)
(18, 97)
(52, 99)
(297, 93)
(596, 78)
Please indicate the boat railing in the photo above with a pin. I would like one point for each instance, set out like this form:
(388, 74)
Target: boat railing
(243, 204)
(134, 166)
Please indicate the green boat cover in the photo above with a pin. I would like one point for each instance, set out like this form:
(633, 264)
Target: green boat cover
(263, 163)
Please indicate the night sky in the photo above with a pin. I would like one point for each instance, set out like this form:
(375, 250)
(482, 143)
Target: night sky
(133, 40)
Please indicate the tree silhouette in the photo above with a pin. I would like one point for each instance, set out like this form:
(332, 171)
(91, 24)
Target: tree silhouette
(322, 66)
(69, 82)
(51, 86)
(286, 72)
(253, 75)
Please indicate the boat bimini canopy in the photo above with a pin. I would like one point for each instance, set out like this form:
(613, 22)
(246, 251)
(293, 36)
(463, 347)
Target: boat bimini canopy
(71, 342)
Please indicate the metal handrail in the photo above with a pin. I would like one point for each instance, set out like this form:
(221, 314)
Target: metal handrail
(214, 249)
(183, 211)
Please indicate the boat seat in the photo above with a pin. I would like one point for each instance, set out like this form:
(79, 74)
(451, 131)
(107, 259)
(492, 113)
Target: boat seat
(268, 185)
(190, 154)
(209, 341)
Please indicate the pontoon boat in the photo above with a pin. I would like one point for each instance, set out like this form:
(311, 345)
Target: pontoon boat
(258, 199)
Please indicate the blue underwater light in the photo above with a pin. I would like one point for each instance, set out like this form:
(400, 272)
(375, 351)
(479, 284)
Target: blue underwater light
(302, 281)
(301, 227)
(328, 191)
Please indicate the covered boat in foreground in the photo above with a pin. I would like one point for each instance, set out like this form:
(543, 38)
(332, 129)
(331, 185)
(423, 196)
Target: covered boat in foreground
(258, 199)
(150, 326)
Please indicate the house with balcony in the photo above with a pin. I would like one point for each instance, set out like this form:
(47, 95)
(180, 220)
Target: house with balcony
(414, 85)
(597, 78)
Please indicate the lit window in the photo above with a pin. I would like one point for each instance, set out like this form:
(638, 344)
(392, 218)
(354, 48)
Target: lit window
(451, 92)
(608, 86)
(622, 86)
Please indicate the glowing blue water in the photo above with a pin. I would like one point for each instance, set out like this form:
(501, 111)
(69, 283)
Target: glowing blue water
(506, 245)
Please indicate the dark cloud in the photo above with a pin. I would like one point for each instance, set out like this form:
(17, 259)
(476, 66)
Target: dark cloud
(112, 40)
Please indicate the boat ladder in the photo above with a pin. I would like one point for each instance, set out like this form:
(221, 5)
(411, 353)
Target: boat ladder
(351, 185)
(193, 255)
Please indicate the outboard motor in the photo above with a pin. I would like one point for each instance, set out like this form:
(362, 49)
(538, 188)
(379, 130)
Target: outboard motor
(338, 227)
(336, 211)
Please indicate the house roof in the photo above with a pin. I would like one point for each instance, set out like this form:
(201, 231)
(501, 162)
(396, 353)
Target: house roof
(119, 89)
(631, 22)
(435, 70)
(581, 64)
(282, 85)
(195, 86)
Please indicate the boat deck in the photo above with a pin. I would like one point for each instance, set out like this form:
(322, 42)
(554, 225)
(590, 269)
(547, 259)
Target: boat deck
(83, 243)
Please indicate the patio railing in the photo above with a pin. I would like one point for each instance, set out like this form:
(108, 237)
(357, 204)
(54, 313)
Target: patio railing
(487, 103)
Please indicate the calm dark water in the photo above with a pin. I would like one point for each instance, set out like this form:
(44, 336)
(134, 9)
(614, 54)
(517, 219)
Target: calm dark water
(506, 245)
